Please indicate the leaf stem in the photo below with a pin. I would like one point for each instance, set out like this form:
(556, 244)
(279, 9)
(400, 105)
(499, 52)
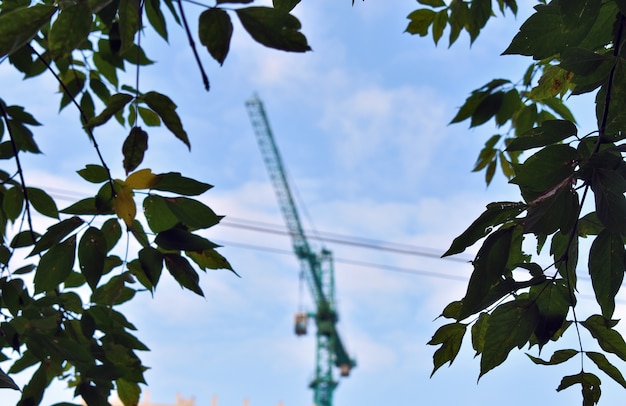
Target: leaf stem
(20, 171)
(83, 118)
(192, 44)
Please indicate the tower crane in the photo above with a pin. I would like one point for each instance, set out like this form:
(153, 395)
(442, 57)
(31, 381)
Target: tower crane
(317, 269)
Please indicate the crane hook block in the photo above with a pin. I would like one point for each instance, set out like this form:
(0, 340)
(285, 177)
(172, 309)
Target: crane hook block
(301, 323)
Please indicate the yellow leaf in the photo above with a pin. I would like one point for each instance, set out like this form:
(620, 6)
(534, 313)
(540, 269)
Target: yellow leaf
(142, 179)
(124, 205)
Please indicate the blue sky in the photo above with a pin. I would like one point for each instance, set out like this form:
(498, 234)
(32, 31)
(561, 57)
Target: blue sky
(361, 123)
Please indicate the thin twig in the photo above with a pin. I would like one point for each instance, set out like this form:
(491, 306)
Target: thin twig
(192, 44)
(20, 171)
(83, 118)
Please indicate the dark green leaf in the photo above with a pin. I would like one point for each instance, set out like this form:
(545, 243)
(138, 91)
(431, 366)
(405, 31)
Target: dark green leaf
(609, 187)
(151, 261)
(134, 148)
(84, 206)
(92, 251)
(273, 28)
(214, 31)
(55, 265)
(192, 213)
(581, 61)
(166, 109)
(558, 357)
(556, 210)
(138, 232)
(128, 391)
(282, 5)
(606, 268)
(182, 271)
(496, 213)
(19, 26)
(546, 169)
(23, 239)
(178, 239)
(34, 389)
(450, 336)
(547, 33)
(42, 202)
(156, 17)
(7, 382)
(70, 29)
(129, 23)
(489, 266)
(510, 325)
(553, 302)
(603, 363)
(115, 104)
(56, 233)
(112, 232)
(550, 132)
(590, 386)
(176, 183)
(609, 339)
(13, 202)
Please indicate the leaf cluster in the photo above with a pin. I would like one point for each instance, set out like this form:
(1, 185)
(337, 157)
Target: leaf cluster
(512, 300)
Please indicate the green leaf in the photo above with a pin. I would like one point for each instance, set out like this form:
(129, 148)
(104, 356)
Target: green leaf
(128, 391)
(450, 336)
(13, 202)
(182, 271)
(19, 26)
(479, 328)
(210, 259)
(553, 302)
(56, 233)
(489, 266)
(94, 173)
(112, 232)
(55, 265)
(496, 213)
(42, 202)
(510, 325)
(420, 21)
(558, 357)
(215, 31)
(282, 5)
(156, 17)
(549, 132)
(590, 386)
(273, 28)
(23, 239)
(134, 148)
(192, 213)
(7, 382)
(178, 239)
(549, 32)
(140, 235)
(545, 169)
(115, 104)
(92, 251)
(149, 117)
(166, 109)
(555, 210)
(432, 3)
(176, 183)
(129, 23)
(151, 261)
(70, 29)
(609, 187)
(603, 363)
(84, 206)
(114, 292)
(606, 268)
(609, 339)
(158, 214)
(581, 61)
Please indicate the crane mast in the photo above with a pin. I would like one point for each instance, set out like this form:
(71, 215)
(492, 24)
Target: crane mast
(317, 268)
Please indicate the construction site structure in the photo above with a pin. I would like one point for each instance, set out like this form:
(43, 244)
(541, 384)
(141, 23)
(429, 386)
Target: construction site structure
(317, 269)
